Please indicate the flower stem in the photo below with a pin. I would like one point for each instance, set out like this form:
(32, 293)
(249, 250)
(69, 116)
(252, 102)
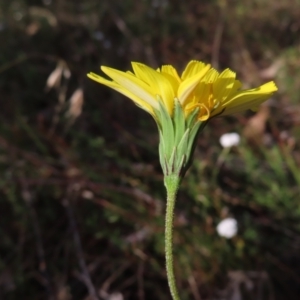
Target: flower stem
(172, 185)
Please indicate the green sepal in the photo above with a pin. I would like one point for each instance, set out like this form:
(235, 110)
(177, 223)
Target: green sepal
(179, 121)
(177, 136)
(192, 118)
(171, 164)
(167, 128)
(161, 150)
(181, 148)
(192, 143)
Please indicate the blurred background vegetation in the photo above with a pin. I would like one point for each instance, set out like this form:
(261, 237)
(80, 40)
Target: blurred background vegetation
(81, 193)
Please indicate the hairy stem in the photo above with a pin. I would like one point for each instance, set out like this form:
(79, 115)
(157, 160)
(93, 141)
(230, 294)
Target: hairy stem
(171, 184)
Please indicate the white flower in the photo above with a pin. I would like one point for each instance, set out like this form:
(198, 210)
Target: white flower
(227, 228)
(230, 139)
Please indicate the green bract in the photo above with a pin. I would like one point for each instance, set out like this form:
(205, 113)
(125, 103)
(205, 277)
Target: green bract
(177, 138)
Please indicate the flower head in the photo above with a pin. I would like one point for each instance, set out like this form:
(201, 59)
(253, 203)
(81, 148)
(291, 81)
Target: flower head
(199, 86)
(182, 105)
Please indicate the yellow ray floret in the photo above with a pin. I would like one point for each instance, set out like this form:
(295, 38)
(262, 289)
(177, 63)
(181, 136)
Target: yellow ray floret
(199, 86)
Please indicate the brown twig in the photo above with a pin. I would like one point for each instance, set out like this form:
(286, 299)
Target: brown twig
(85, 275)
(27, 196)
(194, 288)
(138, 46)
(107, 283)
(140, 280)
(218, 36)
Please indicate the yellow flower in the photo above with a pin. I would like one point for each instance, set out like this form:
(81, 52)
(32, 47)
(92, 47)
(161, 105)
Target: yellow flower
(199, 86)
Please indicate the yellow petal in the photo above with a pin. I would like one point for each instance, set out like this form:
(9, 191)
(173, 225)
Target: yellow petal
(211, 76)
(168, 69)
(133, 84)
(172, 81)
(202, 93)
(159, 83)
(192, 68)
(222, 87)
(248, 99)
(188, 85)
(144, 105)
(236, 86)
